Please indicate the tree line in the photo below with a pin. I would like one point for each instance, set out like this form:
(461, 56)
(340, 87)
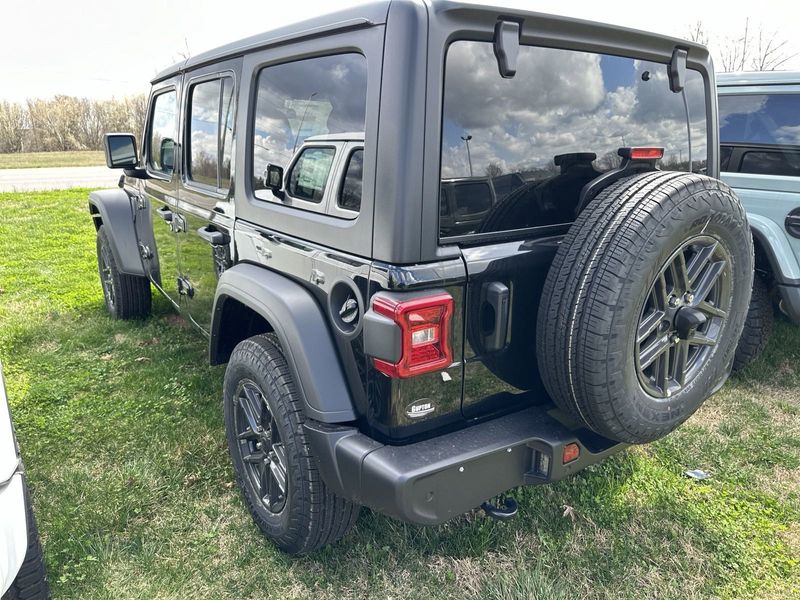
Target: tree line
(67, 122)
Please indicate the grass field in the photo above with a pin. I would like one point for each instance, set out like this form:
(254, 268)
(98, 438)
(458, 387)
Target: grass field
(121, 429)
(78, 158)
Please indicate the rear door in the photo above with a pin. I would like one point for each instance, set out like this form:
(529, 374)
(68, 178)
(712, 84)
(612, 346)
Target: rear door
(548, 134)
(760, 141)
(161, 188)
(206, 204)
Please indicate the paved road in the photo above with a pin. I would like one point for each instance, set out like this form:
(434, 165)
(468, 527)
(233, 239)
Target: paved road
(57, 178)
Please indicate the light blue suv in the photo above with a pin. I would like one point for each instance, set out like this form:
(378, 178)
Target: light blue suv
(759, 121)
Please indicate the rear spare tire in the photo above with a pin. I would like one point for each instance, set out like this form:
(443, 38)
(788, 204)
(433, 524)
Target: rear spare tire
(644, 304)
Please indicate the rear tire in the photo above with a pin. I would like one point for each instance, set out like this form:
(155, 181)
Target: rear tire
(757, 326)
(126, 296)
(603, 293)
(303, 515)
(31, 581)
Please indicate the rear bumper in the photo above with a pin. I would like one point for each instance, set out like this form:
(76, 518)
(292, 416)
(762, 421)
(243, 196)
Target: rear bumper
(790, 301)
(434, 480)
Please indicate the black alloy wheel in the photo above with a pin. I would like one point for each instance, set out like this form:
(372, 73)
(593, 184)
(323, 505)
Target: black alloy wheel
(683, 316)
(260, 446)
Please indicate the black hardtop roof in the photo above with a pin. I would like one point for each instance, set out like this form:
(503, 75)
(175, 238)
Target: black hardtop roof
(376, 13)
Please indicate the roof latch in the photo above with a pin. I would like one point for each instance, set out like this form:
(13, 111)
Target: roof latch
(506, 47)
(677, 70)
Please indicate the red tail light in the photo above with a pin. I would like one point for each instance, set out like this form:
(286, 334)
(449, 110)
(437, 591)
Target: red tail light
(425, 334)
(646, 153)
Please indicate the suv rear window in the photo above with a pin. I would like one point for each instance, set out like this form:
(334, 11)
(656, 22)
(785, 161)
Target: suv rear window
(554, 127)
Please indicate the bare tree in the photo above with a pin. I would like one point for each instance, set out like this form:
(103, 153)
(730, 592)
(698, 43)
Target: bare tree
(13, 125)
(67, 122)
(762, 51)
(493, 169)
(697, 33)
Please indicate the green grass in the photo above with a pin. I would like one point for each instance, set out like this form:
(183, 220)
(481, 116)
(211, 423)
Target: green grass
(77, 158)
(120, 427)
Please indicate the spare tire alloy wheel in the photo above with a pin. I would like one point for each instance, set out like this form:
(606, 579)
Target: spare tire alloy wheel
(683, 316)
(644, 304)
(260, 446)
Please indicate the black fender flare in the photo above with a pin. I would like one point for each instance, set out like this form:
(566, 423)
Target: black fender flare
(301, 327)
(115, 210)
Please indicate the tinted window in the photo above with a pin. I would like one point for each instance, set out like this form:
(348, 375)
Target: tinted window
(350, 195)
(725, 157)
(210, 132)
(309, 175)
(765, 162)
(472, 198)
(760, 119)
(163, 131)
(297, 100)
(505, 184)
(557, 125)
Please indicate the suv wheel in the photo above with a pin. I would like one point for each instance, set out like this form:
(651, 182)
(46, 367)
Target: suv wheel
(757, 326)
(275, 468)
(644, 304)
(126, 296)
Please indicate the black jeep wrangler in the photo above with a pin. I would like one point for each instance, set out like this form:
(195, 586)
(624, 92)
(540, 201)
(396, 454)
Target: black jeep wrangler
(287, 200)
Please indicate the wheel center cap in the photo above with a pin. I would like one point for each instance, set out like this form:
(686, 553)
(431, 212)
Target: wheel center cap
(688, 320)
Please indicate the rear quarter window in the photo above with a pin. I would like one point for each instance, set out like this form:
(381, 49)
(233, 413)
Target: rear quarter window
(760, 133)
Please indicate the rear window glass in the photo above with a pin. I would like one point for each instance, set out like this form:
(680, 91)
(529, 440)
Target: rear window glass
(760, 119)
(555, 126)
(765, 162)
(301, 99)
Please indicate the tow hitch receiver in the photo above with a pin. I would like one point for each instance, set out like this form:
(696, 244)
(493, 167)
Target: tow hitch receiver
(507, 511)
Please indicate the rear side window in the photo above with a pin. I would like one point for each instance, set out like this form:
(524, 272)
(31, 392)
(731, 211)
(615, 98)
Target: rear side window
(771, 162)
(760, 133)
(772, 119)
(163, 133)
(310, 173)
(555, 126)
(350, 195)
(301, 99)
(210, 132)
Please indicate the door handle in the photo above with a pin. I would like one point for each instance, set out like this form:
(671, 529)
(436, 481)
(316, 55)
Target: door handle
(496, 304)
(164, 213)
(212, 236)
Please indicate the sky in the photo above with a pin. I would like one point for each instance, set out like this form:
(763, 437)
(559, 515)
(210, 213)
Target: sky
(102, 49)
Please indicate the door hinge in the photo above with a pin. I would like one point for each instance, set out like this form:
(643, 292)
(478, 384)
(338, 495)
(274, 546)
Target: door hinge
(184, 287)
(139, 202)
(145, 252)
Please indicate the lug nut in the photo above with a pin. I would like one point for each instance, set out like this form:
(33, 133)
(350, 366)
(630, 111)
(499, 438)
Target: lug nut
(689, 297)
(673, 301)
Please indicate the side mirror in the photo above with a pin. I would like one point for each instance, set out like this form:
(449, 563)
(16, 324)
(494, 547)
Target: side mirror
(273, 180)
(168, 155)
(120, 150)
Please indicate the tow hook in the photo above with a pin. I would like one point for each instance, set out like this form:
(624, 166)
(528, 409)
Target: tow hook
(508, 510)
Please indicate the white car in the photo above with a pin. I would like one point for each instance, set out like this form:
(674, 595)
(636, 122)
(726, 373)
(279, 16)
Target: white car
(22, 572)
